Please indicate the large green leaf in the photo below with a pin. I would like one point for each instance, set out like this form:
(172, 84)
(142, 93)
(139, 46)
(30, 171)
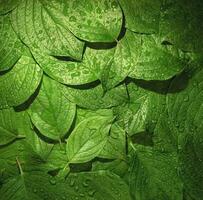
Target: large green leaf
(10, 45)
(150, 60)
(51, 112)
(17, 85)
(142, 16)
(88, 139)
(154, 175)
(92, 20)
(37, 29)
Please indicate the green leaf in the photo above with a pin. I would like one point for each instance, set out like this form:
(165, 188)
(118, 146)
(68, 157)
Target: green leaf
(10, 45)
(94, 21)
(9, 126)
(88, 138)
(75, 73)
(95, 98)
(57, 158)
(115, 146)
(142, 16)
(154, 175)
(36, 27)
(150, 60)
(185, 112)
(8, 155)
(119, 167)
(7, 5)
(37, 186)
(144, 108)
(89, 184)
(165, 137)
(17, 85)
(51, 112)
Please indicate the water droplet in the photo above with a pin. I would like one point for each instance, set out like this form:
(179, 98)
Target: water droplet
(76, 188)
(82, 195)
(72, 182)
(186, 99)
(35, 191)
(72, 19)
(52, 181)
(91, 193)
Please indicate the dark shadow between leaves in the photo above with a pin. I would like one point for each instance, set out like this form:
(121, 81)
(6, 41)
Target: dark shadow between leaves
(173, 85)
(74, 168)
(123, 29)
(101, 45)
(160, 87)
(24, 106)
(43, 137)
(70, 130)
(66, 59)
(143, 138)
(85, 86)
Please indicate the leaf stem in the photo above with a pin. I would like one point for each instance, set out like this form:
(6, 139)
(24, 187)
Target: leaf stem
(19, 166)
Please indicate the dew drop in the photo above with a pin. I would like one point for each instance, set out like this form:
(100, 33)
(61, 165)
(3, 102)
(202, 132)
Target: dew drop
(52, 181)
(76, 188)
(186, 99)
(91, 193)
(72, 182)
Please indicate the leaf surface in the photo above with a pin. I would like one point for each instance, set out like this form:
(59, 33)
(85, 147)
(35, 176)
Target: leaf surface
(51, 112)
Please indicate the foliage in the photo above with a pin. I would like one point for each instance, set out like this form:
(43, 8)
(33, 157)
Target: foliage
(101, 99)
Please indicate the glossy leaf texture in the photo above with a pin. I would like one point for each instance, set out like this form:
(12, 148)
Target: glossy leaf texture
(93, 21)
(101, 100)
(11, 47)
(142, 16)
(51, 112)
(155, 176)
(88, 139)
(95, 98)
(150, 60)
(9, 126)
(18, 84)
(40, 31)
(188, 123)
(66, 71)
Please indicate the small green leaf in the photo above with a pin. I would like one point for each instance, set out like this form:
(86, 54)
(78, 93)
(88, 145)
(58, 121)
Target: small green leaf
(88, 138)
